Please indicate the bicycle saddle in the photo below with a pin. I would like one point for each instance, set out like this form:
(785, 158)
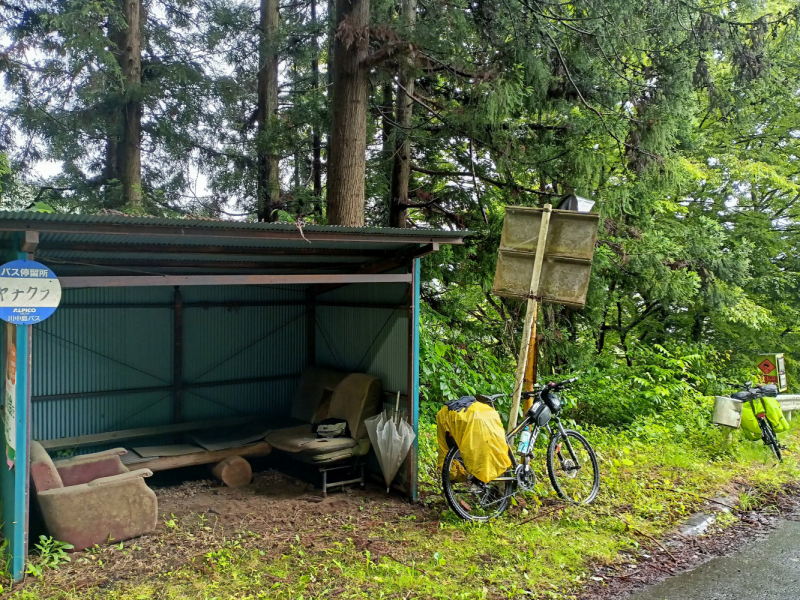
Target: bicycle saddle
(490, 400)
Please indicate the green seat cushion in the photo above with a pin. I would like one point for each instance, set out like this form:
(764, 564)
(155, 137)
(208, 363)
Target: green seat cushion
(302, 440)
(361, 449)
(328, 458)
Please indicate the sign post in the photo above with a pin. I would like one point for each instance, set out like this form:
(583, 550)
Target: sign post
(29, 293)
(531, 316)
(545, 256)
(773, 369)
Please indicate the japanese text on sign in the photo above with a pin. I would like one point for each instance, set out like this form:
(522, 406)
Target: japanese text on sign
(29, 292)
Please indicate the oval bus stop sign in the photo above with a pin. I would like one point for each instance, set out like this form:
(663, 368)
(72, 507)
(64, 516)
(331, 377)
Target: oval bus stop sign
(29, 292)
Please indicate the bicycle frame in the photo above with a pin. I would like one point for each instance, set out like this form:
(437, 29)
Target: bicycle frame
(760, 416)
(535, 431)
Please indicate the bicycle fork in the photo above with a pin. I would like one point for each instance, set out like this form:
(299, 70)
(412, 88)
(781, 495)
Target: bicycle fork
(565, 440)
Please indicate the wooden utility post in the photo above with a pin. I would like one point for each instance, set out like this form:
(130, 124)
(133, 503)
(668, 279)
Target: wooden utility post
(531, 315)
(531, 368)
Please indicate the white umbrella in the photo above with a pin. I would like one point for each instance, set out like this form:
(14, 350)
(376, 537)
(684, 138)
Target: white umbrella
(392, 438)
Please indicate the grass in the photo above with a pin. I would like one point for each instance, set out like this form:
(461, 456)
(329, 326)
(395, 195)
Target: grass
(651, 479)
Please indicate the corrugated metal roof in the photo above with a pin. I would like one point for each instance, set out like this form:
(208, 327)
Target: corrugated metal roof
(190, 224)
(88, 245)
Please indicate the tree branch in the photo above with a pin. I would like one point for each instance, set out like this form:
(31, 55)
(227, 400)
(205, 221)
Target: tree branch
(494, 182)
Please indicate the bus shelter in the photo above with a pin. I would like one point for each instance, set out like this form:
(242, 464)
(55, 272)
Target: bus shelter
(168, 322)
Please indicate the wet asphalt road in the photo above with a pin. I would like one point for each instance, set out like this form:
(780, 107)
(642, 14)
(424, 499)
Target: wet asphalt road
(766, 568)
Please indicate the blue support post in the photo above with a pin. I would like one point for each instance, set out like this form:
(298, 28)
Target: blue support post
(415, 380)
(15, 476)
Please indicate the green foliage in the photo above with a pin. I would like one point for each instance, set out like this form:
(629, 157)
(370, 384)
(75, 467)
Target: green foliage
(42, 207)
(661, 380)
(454, 365)
(51, 555)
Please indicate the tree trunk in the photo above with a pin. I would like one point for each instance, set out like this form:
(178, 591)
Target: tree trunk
(234, 471)
(111, 161)
(268, 189)
(347, 159)
(127, 164)
(601, 340)
(386, 115)
(385, 118)
(110, 167)
(401, 167)
(316, 138)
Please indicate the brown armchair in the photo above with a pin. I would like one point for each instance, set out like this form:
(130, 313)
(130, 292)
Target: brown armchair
(92, 499)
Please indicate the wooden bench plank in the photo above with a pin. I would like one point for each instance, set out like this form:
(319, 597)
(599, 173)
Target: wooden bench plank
(130, 434)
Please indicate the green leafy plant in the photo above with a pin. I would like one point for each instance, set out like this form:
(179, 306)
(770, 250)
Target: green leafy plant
(51, 554)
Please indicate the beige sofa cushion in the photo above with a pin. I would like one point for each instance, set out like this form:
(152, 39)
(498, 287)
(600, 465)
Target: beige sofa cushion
(303, 439)
(311, 391)
(356, 398)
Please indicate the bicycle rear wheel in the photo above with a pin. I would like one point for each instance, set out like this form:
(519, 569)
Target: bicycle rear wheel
(770, 438)
(572, 466)
(469, 497)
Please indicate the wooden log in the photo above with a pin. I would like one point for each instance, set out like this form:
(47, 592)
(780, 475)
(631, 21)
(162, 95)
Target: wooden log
(233, 472)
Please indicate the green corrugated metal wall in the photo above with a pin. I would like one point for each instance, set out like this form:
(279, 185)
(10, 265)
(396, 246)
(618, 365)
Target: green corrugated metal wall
(99, 341)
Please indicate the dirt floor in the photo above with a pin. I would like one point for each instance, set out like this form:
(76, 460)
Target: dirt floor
(272, 500)
(199, 515)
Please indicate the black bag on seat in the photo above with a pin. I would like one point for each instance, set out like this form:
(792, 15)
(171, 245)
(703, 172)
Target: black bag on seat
(331, 428)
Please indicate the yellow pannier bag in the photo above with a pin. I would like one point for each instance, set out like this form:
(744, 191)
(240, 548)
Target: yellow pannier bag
(771, 408)
(478, 432)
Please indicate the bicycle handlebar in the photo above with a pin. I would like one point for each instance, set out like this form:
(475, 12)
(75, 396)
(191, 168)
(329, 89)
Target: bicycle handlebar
(553, 386)
(557, 385)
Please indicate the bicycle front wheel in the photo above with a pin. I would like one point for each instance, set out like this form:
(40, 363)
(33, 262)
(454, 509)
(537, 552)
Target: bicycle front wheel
(469, 497)
(572, 466)
(770, 438)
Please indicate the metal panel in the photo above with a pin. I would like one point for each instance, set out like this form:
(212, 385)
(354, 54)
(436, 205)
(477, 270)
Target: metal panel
(81, 350)
(243, 293)
(379, 293)
(570, 234)
(253, 341)
(223, 344)
(415, 380)
(269, 399)
(568, 253)
(186, 226)
(53, 419)
(92, 296)
(562, 281)
(86, 350)
(367, 340)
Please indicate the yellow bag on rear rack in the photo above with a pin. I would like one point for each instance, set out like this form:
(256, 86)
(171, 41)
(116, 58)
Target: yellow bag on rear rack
(772, 408)
(478, 432)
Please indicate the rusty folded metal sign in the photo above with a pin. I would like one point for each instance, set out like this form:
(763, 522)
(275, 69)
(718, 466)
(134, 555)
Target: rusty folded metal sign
(567, 262)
